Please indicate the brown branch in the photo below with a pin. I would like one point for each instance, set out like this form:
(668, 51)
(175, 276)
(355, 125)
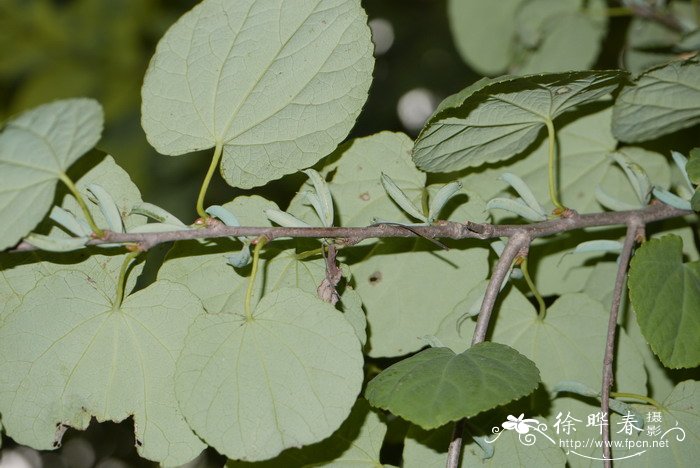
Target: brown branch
(635, 230)
(352, 235)
(455, 449)
(517, 246)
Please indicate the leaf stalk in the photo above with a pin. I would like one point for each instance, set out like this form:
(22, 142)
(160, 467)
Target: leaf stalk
(218, 149)
(251, 281)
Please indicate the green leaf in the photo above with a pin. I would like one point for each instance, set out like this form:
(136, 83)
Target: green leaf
(661, 101)
(69, 353)
(665, 294)
(558, 36)
(693, 166)
(286, 378)
(36, 149)
(278, 84)
(482, 31)
(437, 386)
(493, 120)
(355, 445)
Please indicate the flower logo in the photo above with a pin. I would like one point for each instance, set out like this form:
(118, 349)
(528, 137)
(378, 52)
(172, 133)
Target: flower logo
(521, 426)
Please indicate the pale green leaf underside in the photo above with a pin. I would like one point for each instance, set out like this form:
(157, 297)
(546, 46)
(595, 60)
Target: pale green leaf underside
(428, 449)
(494, 120)
(356, 444)
(483, 31)
(573, 331)
(569, 343)
(558, 35)
(20, 272)
(278, 83)
(36, 148)
(661, 101)
(681, 410)
(67, 354)
(665, 294)
(437, 386)
(285, 379)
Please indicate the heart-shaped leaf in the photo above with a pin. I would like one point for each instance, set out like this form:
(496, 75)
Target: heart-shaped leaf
(69, 353)
(36, 149)
(665, 294)
(286, 378)
(437, 386)
(493, 120)
(277, 84)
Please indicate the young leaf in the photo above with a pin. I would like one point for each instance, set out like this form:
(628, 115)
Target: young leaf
(284, 219)
(323, 199)
(682, 164)
(636, 176)
(223, 75)
(493, 120)
(665, 294)
(287, 377)
(56, 244)
(36, 149)
(662, 100)
(91, 357)
(440, 199)
(600, 245)
(108, 207)
(671, 199)
(67, 220)
(241, 258)
(401, 199)
(158, 227)
(517, 207)
(437, 386)
(524, 191)
(156, 213)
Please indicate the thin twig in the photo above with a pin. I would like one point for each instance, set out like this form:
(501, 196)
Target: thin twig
(441, 230)
(635, 228)
(517, 246)
(651, 13)
(455, 450)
